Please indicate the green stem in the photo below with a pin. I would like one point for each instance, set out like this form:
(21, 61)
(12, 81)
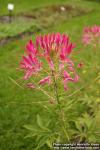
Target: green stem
(59, 105)
(56, 90)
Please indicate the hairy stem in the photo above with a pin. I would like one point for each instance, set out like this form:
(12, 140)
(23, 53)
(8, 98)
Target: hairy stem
(59, 105)
(55, 89)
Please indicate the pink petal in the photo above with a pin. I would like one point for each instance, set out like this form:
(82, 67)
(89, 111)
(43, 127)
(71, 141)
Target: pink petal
(51, 64)
(31, 48)
(28, 74)
(26, 61)
(76, 78)
(66, 74)
(65, 84)
(71, 69)
(61, 66)
(45, 80)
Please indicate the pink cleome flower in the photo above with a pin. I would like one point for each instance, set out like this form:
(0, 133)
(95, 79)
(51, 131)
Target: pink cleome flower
(91, 35)
(49, 53)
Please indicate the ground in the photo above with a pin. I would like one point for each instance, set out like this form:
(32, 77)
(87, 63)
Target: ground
(17, 104)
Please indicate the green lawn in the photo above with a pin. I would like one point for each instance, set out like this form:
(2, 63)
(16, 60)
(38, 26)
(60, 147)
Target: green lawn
(22, 6)
(17, 105)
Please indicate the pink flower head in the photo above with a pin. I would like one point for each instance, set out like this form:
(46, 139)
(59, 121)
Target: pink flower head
(30, 65)
(91, 35)
(49, 53)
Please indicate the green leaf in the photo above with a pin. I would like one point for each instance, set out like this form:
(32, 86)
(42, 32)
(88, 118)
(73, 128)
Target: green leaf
(39, 121)
(29, 127)
(92, 138)
(49, 143)
(42, 142)
(78, 126)
(31, 135)
(48, 122)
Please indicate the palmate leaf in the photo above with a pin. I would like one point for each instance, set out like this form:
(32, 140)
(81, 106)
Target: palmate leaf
(47, 139)
(54, 136)
(41, 136)
(34, 131)
(88, 128)
(42, 141)
(41, 132)
(41, 124)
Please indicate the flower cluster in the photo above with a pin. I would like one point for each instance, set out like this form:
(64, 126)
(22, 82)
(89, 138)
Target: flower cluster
(48, 56)
(91, 35)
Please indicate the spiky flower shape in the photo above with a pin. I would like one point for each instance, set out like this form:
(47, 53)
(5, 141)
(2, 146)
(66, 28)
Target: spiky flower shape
(49, 56)
(91, 35)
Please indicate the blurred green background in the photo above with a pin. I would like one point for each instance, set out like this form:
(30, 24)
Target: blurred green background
(29, 18)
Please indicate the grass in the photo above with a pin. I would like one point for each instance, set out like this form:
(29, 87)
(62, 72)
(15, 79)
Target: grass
(13, 29)
(33, 21)
(22, 6)
(17, 106)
